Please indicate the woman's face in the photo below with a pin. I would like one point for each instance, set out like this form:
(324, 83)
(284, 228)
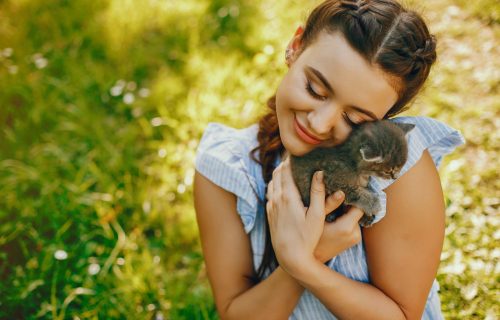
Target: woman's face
(327, 89)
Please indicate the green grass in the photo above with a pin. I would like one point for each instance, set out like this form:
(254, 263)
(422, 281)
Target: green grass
(102, 105)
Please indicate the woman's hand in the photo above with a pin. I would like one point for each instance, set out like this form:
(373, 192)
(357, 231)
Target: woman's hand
(340, 234)
(296, 230)
(299, 233)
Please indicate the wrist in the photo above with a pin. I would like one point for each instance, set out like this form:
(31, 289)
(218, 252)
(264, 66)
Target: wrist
(309, 272)
(301, 267)
(322, 257)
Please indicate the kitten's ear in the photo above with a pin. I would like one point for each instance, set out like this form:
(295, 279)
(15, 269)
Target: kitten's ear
(406, 127)
(364, 153)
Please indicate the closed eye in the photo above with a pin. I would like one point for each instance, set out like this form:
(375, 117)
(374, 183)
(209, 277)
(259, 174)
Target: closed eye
(313, 93)
(346, 117)
(351, 121)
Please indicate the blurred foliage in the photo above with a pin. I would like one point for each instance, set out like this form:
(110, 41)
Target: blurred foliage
(102, 105)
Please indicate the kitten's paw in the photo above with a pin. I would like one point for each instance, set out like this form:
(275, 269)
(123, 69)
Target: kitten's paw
(370, 213)
(330, 217)
(366, 220)
(372, 208)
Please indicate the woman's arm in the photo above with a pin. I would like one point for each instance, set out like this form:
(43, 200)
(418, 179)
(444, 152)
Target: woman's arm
(403, 252)
(228, 258)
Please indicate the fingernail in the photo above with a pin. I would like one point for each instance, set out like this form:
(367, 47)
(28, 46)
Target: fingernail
(338, 194)
(319, 176)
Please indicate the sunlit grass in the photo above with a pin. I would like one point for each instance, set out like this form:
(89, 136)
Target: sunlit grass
(102, 105)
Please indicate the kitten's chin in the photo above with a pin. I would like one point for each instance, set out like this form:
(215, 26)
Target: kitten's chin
(385, 176)
(377, 174)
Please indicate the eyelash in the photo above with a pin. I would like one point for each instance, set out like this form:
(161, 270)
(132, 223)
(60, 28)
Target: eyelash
(312, 92)
(319, 97)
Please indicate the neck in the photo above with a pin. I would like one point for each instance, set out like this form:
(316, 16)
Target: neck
(284, 154)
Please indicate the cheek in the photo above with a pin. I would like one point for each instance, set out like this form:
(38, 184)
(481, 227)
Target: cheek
(281, 97)
(290, 94)
(342, 131)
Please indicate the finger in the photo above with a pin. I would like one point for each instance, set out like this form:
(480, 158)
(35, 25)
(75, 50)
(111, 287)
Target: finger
(269, 193)
(277, 189)
(270, 214)
(289, 184)
(317, 205)
(269, 209)
(334, 201)
(287, 176)
(287, 171)
(353, 215)
(348, 222)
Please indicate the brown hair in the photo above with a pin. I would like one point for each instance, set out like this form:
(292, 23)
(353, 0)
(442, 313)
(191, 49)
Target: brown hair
(389, 36)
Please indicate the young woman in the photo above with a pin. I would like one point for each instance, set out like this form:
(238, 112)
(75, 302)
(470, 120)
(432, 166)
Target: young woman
(268, 256)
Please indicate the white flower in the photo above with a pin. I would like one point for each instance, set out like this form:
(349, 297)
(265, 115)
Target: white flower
(162, 153)
(181, 188)
(116, 91)
(7, 52)
(156, 122)
(144, 92)
(61, 255)
(146, 206)
(94, 269)
(13, 69)
(128, 98)
(131, 86)
(39, 60)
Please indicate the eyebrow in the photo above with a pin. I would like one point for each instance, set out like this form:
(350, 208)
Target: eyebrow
(329, 87)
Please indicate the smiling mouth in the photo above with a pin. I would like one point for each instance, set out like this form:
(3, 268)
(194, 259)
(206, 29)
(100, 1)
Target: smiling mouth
(303, 134)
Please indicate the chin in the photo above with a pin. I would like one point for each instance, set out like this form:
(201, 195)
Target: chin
(291, 141)
(296, 147)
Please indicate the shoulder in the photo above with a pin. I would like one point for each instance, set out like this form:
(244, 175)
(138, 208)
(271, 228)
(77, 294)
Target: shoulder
(429, 134)
(418, 191)
(403, 250)
(414, 201)
(225, 141)
(223, 158)
(430, 138)
(222, 148)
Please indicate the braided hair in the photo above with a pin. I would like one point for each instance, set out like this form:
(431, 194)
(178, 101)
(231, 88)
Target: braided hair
(389, 36)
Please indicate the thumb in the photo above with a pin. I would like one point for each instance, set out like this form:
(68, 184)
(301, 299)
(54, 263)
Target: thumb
(317, 202)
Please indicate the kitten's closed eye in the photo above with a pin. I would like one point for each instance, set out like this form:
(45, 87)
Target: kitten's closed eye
(367, 158)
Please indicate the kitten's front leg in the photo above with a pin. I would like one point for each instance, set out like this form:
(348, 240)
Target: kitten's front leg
(366, 201)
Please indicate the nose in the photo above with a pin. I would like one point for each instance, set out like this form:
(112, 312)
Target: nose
(324, 119)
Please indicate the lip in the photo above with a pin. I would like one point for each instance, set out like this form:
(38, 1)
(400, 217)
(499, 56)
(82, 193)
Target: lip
(304, 135)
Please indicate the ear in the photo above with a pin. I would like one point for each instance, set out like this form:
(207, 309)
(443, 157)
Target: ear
(376, 159)
(406, 127)
(295, 43)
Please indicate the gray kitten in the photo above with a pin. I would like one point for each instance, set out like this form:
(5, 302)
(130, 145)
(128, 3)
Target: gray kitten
(376, 148)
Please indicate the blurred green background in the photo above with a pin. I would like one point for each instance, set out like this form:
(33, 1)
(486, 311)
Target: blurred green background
(102, 105)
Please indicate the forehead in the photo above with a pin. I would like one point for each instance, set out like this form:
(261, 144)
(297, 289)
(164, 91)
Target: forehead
(354, 80)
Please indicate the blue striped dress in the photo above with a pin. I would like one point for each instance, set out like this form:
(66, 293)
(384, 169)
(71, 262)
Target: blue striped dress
(223, 157)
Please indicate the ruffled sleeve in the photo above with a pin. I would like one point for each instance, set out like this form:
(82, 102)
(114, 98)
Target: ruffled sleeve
(221, 157)
(438, 138)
